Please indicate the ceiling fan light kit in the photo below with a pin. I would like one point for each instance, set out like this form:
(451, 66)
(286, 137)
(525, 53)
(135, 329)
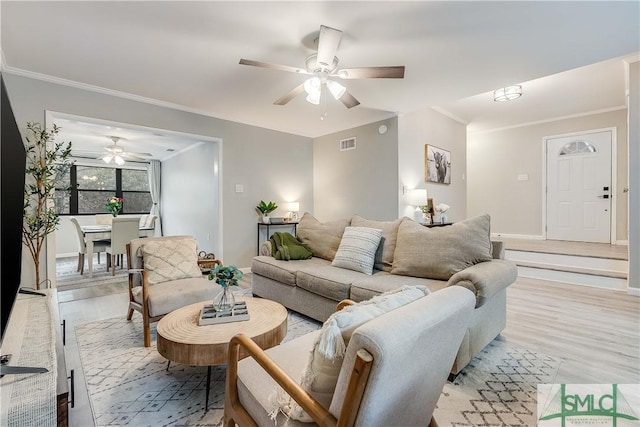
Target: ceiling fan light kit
(117, 154)
(508, 93)
(322, 66)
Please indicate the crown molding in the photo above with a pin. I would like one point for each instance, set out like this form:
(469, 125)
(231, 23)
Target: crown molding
(451, 115)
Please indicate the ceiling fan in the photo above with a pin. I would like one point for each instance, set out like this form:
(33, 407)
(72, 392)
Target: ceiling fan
(117, 154)
(323, 67)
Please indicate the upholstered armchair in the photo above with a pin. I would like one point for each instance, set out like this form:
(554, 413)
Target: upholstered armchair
(392, 372)
(164, 276)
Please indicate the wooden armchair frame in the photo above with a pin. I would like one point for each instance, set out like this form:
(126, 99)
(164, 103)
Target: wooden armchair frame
(144, 307)
(235, 413)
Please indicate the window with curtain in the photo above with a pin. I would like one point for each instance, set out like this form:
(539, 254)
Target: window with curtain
(91, 186)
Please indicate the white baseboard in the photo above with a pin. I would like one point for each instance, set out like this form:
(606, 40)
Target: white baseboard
(67, 255)
(245, 270)
(621, 242)
(517, 236)
(634, 291)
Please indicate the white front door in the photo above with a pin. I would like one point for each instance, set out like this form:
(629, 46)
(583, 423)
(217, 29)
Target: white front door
(579, 187)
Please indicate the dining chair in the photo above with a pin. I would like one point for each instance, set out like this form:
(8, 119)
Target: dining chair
(123, 230)
(104, 219)
(98, 246)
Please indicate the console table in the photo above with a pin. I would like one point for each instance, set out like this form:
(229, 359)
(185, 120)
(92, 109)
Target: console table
(438, 224)
(293, 224)
(32, 337)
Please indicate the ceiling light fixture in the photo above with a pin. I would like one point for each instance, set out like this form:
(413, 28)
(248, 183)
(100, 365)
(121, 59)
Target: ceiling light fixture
(508, 93)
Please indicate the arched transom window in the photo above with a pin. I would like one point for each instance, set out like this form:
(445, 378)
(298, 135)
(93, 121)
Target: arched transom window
(577, 147)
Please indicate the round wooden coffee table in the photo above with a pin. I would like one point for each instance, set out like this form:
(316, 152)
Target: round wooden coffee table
(181, 340)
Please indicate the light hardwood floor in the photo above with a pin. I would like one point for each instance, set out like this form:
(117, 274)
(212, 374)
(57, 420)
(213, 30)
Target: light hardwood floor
(596, 332)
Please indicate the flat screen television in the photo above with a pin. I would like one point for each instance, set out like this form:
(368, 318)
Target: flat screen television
(12, 173)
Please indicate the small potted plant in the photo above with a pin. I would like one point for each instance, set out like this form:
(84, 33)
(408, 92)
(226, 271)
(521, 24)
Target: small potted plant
(114, 205)
(265, 209)
(225, 276)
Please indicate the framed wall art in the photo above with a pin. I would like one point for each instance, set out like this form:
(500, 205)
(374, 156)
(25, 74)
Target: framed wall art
(437, 165)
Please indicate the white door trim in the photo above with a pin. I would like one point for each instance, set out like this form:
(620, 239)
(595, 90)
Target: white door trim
(614, 176)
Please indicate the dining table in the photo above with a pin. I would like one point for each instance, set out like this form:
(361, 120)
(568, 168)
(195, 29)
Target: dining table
(94, 233)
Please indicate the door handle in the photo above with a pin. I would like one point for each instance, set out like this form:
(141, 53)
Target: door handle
(606, 196)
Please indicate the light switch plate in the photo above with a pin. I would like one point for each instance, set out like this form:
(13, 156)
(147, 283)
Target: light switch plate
(239, 188)
(523, 177)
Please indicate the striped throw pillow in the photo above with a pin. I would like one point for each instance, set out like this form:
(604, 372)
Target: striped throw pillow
(357, 250)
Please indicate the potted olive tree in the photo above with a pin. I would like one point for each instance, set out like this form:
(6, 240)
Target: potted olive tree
(46, 161)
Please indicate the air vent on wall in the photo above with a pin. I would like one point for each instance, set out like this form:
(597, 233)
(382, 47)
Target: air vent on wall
(348, 144)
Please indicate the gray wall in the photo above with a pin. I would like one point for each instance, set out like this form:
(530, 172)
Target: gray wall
(634, 176)
(251, 156)
(496, 158)
(363, 181)
(190, 180)
(430, 127)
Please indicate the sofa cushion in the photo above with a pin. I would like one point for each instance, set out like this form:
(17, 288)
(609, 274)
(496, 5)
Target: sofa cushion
(440, 252)
(168, 260)
(166, 297)
(325, 362)
(321, 238)
(283, 271)
(328, 281)
(382, 282)
(357, 250)
(384, 255)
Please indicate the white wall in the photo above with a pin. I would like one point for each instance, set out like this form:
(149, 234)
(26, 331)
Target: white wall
(634, 176)
(362, 181)
(496, 158)
(430, 127)
(270, 164)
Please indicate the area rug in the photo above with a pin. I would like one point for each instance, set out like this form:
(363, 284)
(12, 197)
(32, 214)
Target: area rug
(129, 385)
(68, 278)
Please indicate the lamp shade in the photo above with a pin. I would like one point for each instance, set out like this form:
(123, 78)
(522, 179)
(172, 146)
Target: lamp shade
(418, 197)
(294, 206)
(336, 89)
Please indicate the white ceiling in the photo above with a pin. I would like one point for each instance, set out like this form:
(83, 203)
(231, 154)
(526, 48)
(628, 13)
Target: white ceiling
(187, 53)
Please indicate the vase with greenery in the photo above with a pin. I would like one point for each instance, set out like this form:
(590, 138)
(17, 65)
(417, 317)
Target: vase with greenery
(114, 205)
(225, 276)
(47, 161)
(264, 209)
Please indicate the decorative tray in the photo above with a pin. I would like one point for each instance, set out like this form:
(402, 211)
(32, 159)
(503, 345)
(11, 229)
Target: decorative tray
(209, 316)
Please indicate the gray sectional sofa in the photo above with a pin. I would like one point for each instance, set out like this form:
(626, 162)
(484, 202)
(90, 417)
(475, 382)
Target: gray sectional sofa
(408, 254)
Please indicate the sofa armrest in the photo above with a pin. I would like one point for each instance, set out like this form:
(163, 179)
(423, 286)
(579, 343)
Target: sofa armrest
(265, 248)
(486, 278)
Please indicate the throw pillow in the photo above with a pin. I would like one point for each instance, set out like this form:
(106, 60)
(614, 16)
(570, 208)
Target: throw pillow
(440, 252)
(384, 255)
(357, 250)
(325, 361)
(322, 239)
(166, 260)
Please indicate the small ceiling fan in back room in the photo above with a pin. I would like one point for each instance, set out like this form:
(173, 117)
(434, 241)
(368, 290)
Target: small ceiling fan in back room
(323, 69)
(117, 154)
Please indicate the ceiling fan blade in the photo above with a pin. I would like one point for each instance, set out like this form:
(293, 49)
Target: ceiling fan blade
(273, 66)
(131, 156)
(328, 45)
(288, 97)
(395, 72)
(348, 100)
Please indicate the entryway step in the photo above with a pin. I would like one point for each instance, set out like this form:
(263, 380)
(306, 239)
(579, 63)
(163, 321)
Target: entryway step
(583, 270)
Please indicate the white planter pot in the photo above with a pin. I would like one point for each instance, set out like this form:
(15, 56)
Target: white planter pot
(266, 219)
